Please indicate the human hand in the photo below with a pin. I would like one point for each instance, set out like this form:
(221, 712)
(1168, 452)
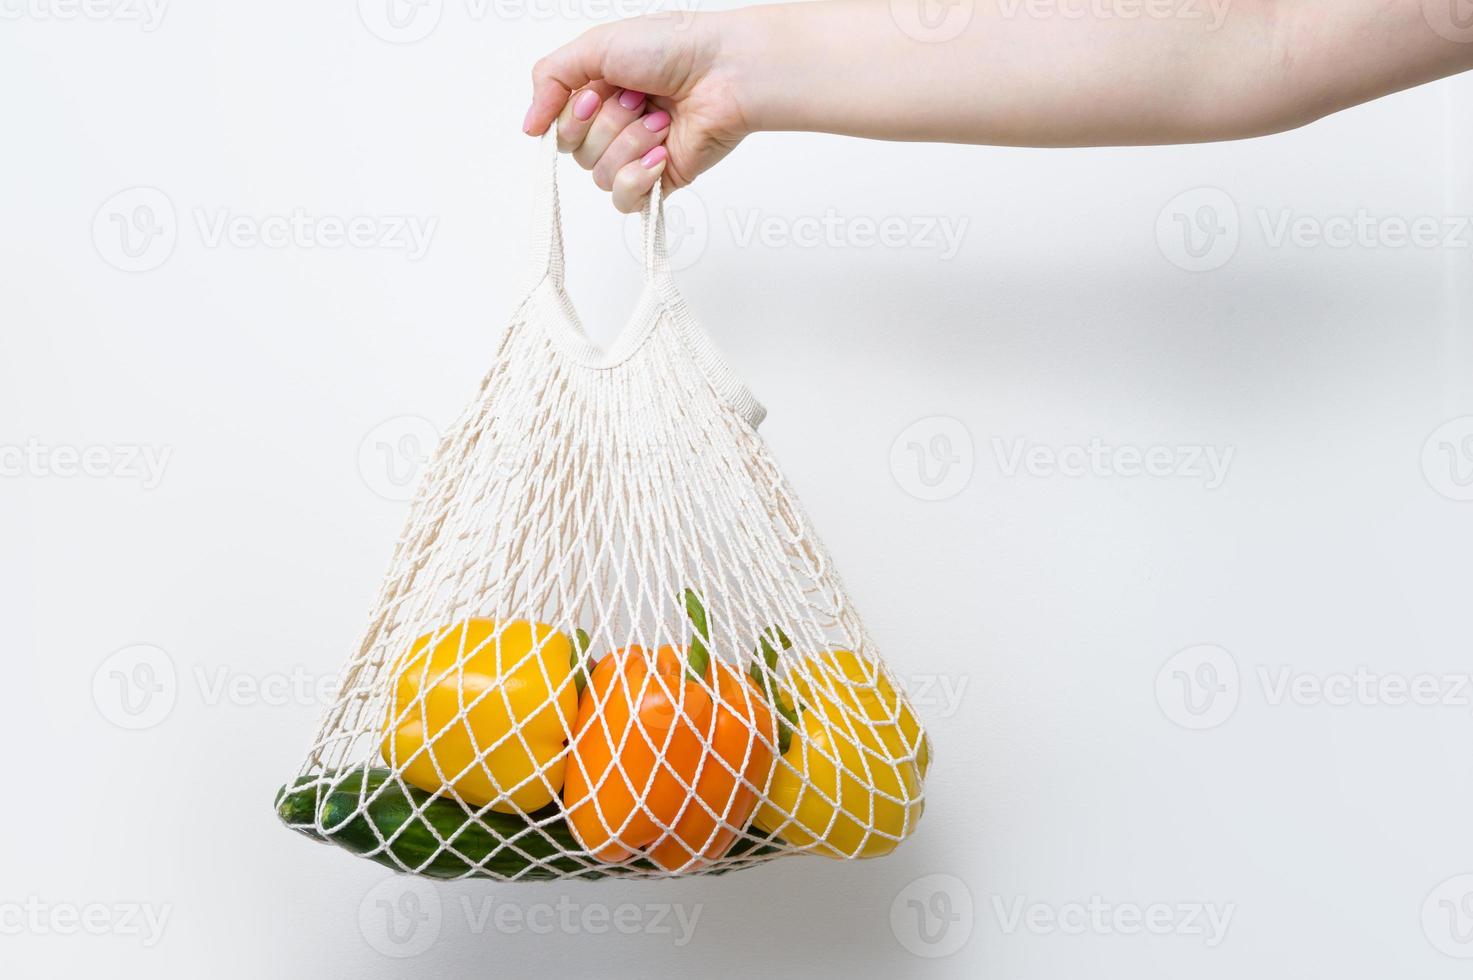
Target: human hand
(640, 99)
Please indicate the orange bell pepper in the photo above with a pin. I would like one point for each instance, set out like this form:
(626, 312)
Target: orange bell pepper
(652, 749)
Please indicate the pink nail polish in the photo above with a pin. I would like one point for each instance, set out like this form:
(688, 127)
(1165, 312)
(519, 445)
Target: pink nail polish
(585, 105)
(527, 121)
(631, 100)
(656, 121)
(653, 158)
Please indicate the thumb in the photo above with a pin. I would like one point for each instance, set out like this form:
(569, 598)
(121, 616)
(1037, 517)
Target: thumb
(555, 77)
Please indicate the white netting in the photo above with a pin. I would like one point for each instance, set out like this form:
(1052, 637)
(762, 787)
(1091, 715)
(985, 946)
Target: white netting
(604, 622)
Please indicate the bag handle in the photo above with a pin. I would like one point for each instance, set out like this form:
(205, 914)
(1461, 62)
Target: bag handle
(652, 220)
(548, 255)
(547, 263)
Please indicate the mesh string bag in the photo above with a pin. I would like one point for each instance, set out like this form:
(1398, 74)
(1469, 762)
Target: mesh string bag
(609, 643)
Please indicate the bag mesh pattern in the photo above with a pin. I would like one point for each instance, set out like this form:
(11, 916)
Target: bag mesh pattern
(589, 490)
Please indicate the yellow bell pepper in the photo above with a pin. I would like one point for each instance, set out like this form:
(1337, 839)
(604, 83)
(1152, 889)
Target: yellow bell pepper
(506, 749)
(849, 785)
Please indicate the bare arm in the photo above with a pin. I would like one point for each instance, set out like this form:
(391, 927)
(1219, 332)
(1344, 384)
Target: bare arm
(1015, 72)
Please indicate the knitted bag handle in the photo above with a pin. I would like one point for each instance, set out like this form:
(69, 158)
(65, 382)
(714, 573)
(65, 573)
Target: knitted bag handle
(660, 304)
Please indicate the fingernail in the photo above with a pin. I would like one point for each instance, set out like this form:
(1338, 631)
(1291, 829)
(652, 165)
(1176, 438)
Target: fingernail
(631, 100)
(653, 158)
(656, 121)
(527, 122)
(585, 105)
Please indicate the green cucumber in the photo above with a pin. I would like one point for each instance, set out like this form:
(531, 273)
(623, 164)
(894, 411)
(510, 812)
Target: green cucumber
(403, 828)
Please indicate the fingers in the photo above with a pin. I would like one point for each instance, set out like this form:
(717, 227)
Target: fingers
(614, 132)
(578, 115)
(617, 112)
(632, 143)
(616, 139)
(634, 181)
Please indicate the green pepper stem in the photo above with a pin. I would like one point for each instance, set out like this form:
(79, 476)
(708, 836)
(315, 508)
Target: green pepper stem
(699, 657)
(766, 682)
(579, 659)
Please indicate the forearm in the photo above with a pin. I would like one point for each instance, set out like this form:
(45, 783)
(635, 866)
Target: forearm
(1076, 72)
(665, 97)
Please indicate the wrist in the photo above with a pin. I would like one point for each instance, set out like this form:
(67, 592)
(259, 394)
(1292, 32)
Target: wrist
(756, 68)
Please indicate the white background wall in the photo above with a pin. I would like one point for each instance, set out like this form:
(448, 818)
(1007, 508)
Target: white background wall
(1047, 605)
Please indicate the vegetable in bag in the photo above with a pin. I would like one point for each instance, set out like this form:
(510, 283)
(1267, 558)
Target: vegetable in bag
(654, 750)
(506, 752)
